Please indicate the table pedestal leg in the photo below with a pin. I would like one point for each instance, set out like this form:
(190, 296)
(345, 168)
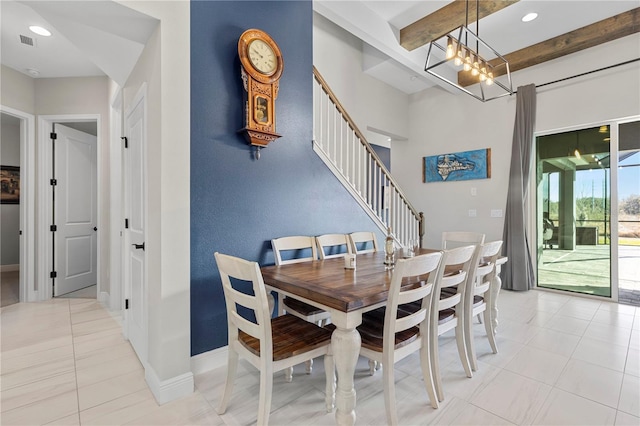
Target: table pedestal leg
(346, 348)
(496, 285)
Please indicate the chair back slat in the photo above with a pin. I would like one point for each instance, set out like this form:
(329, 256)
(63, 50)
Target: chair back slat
(300, 247)
(365, 239)
(453, 239)
(330, 245)
(412, 295)
(243, 324)
(454, 279)
(412, 320)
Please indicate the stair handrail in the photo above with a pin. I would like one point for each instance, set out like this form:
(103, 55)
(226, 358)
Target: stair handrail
(363, 140)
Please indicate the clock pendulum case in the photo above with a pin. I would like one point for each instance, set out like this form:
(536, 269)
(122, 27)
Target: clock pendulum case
(261, 67)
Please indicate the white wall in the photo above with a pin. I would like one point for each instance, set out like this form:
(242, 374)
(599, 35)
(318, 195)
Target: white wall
(18, 90)
(442, 122)
(10, 213)
(337, 55)
(164, 66)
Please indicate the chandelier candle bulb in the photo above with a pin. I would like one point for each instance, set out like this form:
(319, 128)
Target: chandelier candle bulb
(458, 61)
(451, 51)
(476, 66)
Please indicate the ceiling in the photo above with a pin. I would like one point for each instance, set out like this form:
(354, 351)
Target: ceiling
(106, 38)
(89, 38)
(378, 24)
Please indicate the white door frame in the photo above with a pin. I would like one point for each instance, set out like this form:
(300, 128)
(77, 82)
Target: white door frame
(116, 212)
(44, 247)
(27, 202)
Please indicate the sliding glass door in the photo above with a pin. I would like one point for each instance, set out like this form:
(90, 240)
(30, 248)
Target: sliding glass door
(583, 176)
(574, 211)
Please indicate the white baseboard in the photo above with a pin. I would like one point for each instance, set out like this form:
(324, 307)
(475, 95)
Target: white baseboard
(33, 296)
(168, 390)
(9, 268)
(103, 298)
(208, 361)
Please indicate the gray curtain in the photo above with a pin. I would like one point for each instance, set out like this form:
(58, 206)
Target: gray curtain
(518, 273)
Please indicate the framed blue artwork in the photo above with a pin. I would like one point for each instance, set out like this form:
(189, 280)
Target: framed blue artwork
(457, 166)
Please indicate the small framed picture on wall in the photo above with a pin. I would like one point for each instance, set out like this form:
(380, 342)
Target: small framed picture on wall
(9, 185)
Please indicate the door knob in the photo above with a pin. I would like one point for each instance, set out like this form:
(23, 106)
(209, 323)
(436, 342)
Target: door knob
(138, 246)
(95, 228)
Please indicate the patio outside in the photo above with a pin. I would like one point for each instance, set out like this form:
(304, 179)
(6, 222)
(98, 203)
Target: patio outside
(587, 268)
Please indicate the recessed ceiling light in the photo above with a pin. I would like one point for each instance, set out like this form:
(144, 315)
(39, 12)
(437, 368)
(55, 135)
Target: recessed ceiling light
(529, 17)
(40, 31)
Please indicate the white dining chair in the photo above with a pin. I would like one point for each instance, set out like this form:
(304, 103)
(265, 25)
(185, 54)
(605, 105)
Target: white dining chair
(333, 245)
(363, 242)
(447, 312)
(270, 345)
(398, 334)
(296, 249)
(478, 299)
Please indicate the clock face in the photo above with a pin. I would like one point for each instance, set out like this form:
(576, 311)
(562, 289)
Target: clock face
(262, 57)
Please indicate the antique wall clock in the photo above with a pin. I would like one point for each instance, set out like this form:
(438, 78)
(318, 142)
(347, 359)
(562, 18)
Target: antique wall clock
(261, 68)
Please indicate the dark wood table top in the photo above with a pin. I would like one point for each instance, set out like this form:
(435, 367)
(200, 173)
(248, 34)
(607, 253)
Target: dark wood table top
(328, 283)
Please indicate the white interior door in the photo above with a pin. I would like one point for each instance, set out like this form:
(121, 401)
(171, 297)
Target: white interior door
(135, 259)
(75, 210)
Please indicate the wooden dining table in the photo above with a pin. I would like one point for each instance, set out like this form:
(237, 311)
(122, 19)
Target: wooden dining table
(346, 294)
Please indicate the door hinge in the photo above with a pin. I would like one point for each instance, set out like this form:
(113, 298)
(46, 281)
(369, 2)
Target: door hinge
(126, 224)
(53, 228)
(126, 141)
(53, 135)
(53, 182)
(53, 274)
(126, 303)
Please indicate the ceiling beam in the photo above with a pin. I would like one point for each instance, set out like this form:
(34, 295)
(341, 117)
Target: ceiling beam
(445, 19)
(609, 29)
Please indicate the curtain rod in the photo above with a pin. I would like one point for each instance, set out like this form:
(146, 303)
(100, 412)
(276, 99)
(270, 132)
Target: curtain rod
(585, 73)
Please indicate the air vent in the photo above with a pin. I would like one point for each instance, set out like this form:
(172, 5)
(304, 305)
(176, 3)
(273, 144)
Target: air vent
(27, 40)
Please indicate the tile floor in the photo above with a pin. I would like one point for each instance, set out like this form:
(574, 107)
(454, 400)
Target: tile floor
(562, 360)
(9, 287)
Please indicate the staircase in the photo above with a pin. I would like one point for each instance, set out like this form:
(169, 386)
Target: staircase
(345, 150)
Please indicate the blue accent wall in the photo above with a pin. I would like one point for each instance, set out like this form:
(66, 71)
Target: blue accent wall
(238, 204)
(384, 154)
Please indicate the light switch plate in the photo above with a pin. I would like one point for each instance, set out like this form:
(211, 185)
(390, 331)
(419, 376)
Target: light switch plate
(496, 213)
(473, 213)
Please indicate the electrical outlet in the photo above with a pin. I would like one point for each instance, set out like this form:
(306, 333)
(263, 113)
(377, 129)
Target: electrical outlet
(474, 191)
(496, 213)
(473, 213)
